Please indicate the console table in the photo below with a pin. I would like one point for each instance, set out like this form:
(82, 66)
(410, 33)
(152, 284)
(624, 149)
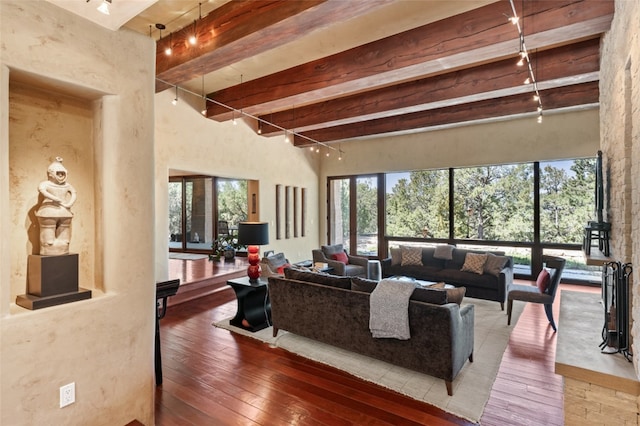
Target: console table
(253, 303)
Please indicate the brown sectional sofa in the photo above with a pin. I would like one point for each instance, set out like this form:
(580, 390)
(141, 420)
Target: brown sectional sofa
(325, 308)
(488, 285)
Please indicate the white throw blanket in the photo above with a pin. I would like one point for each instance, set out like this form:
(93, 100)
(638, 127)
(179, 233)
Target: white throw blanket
(389, 309)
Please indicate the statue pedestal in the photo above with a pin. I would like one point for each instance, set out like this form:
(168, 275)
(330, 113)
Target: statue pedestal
(52, 280)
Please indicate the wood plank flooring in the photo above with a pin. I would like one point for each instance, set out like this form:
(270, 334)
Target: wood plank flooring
(214, 377)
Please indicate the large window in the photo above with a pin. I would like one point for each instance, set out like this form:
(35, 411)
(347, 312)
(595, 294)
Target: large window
(367, 216)
(199, 206)
(567, 200)
(494, 203)
(417, 204)
(340, 212)
(525, 210)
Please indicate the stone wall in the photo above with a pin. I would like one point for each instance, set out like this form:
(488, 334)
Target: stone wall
(590, 404)
(620, 140)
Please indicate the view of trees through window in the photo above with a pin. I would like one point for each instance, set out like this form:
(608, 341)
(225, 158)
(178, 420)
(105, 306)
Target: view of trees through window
(193, 218)
(490, 204)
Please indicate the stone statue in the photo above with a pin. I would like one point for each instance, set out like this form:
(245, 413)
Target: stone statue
(54, 214)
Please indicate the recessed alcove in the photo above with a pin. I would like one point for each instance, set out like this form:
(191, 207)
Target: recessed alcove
(48, 119)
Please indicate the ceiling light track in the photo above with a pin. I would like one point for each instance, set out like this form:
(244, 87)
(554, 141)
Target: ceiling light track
(524, 57)
(261, 121)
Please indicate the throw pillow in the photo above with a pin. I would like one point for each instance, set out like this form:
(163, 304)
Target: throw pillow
(495, 264)
(411, 255)
(543, 280)
(455, 295)
(396, 255)
(474, 262)
(444, 252)
(341, 257)
(318, 278)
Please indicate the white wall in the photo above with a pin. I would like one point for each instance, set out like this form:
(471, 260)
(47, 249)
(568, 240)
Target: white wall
(73, 89)
(187, 141)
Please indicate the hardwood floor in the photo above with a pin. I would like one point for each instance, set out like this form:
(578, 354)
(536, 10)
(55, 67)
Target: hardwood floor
(214, 377)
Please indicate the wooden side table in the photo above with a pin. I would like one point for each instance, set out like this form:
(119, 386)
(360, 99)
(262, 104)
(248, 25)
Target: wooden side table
(253, 304)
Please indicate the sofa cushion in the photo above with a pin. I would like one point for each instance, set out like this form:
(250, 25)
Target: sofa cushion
(340, 257)
(494, 264)
(420, 294)
(444, 252)
(429, 259)
(318, 278)
(474, 262)
(411, 255)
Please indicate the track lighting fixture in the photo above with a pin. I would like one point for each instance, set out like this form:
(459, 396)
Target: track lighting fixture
(192, 38)
(104, 7)
(524, 59)
(175, 100)
(168, 50)
(316, 144)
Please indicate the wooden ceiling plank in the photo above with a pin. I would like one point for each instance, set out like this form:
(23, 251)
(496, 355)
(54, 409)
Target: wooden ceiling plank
(567, 96)
(488, 80)
(477, 36)
(242, 29)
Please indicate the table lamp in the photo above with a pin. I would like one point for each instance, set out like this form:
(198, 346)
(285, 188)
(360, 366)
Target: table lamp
(252, 235)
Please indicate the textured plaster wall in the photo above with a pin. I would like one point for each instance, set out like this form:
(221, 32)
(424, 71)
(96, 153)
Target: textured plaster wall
(567, 135)
(188, 142)
(620, 139)
(73, 89)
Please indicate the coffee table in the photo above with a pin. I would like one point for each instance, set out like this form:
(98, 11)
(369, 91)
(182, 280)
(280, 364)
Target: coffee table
(253, 304)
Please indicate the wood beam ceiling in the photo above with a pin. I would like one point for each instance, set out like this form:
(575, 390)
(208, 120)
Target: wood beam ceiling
(457, 69)
(244, 28)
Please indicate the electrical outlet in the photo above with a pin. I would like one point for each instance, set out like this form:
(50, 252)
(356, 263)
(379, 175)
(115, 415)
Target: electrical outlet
(67, 394)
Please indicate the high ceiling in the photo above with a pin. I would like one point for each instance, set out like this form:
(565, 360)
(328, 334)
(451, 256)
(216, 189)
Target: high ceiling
(334, 70)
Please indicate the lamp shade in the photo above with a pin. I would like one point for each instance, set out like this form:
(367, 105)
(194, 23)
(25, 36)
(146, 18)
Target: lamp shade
(253, 233)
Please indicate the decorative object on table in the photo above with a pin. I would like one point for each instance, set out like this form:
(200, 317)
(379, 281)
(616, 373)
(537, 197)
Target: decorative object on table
(253, 234)
(225, 246)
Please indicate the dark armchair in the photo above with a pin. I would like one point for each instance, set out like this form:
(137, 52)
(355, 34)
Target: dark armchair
(544, 292)
(356, 266)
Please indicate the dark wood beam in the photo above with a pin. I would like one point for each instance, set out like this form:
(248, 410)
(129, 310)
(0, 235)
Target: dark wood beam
(241, 29)
(554, 67)
(469, 39)
(562, 97)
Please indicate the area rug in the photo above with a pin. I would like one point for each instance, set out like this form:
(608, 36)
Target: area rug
(187, 256)
(471, 388)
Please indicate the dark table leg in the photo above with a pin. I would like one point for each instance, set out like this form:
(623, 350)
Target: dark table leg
(158, 356)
